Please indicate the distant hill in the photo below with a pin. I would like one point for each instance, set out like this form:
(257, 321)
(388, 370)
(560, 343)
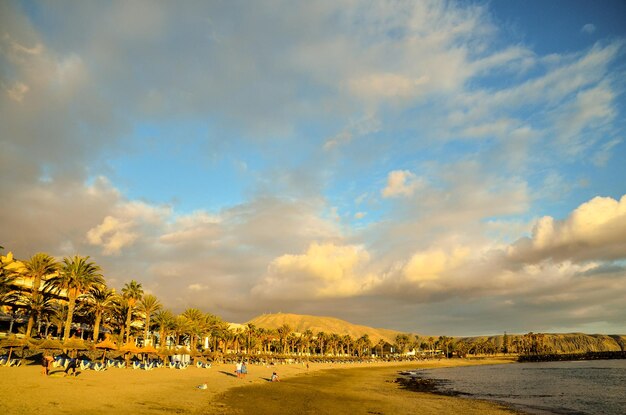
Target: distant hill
(557, 343)
(564, 342)
(301, 323)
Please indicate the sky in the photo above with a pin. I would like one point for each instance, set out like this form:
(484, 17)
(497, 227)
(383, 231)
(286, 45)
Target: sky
(446, 168)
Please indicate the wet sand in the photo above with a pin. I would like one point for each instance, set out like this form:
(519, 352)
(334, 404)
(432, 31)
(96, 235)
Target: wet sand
(323, 389)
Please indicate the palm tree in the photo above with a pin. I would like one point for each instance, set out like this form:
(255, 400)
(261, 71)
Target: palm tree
(283, 333)
(182, 326)
(381, 345)
(76, 276)
(195, 325)
(131, 292)
(40, 267)
(164, 319)
(321, 341)
(307, 337)
(38, 305)
(99, 301)
(402, 341)
(148, 305)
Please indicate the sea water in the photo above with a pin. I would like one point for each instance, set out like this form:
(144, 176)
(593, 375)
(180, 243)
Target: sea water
(581, 387)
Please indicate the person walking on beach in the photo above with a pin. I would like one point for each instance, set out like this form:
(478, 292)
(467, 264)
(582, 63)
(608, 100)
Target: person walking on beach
(71, 365)
(44, 365)
(244, 370)
(238, 369)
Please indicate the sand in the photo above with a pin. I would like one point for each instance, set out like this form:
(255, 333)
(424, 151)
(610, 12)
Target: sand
(323, 389)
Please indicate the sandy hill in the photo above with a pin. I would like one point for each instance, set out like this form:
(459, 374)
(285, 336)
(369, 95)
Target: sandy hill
(565, 342)
(300, 323)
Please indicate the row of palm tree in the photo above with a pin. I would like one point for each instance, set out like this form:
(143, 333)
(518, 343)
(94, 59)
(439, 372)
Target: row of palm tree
(74, 291)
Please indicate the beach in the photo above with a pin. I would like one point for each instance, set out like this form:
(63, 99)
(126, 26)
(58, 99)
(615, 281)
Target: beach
(324, 388)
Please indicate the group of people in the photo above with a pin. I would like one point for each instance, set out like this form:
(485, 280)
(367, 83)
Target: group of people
(241, 369)
(46, 365)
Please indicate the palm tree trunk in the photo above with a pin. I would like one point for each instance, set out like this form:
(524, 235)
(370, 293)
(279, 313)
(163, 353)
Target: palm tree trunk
(96, 327)
(31, 323)
(130, 310)
(145, 337)
(70, 315)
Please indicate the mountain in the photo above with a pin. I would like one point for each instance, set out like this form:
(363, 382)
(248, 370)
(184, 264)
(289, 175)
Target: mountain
(564, 342)
(557, 343)
(301, 323)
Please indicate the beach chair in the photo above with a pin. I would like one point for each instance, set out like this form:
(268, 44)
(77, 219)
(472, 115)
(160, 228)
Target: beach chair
(14, 362)
(58, 361)
(84, 364)
(136, 365)
(4, 359)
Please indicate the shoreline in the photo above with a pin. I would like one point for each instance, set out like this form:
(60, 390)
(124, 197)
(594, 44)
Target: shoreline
(373, 389)
(344, 388)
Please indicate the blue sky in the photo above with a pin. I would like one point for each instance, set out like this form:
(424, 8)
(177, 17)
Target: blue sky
(437, 167)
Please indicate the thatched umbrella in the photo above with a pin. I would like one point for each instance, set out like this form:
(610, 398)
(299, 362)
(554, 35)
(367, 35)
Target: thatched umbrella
(50, 344)
(165, 351)
(12, 342)
(127, 349)
(130, 348)
(183, 350)
(106, 345)
(74, 343)
(148, 349)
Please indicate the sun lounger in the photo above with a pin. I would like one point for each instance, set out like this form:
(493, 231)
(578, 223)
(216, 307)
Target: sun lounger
(85, 364)
(14, 362)
(59, 362)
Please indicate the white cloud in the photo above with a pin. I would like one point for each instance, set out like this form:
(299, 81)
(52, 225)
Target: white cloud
(325, 270)
(387, 85)
(588, 28)
(596, 230)
(401, 183)
(112, 234)
(17, 91)
(197, 287)
(604, 153)
(434, 264)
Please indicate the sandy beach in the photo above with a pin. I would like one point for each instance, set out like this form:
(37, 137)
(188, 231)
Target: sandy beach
(322, 389)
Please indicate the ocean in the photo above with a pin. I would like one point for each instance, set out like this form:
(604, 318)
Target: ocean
(572, 388)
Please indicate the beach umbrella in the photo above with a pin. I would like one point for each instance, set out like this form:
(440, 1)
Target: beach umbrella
(106, 345)
(74, 343)
(49, 344)
(148, 349)
(12, 342)
(164, 351)
(183, 350)
(130, 348)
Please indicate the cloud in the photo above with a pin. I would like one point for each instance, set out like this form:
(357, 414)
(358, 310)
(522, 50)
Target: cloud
(325, 270)
(588, 28)
(112, 234)
(401, 183)
(387, 85)
(432, 264)
(596, 230)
